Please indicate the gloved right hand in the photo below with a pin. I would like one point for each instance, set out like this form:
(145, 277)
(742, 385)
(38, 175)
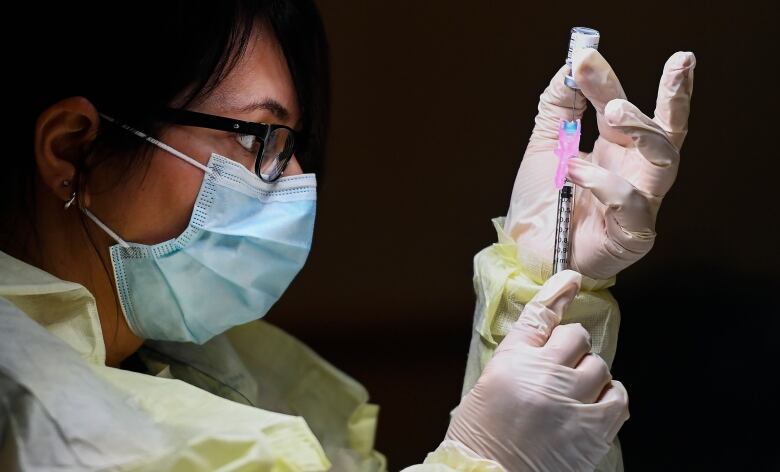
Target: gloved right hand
(543, 402)
(619, 186)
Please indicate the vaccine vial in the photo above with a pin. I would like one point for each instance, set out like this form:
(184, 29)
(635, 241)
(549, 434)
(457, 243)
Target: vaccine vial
(581, 37)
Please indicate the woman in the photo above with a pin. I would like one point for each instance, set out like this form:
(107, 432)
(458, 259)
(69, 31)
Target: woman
(169, 200)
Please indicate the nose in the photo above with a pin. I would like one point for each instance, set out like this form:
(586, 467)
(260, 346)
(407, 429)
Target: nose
(293, 167)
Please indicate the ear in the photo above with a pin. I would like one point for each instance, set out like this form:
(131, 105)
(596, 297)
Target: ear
(63, 133)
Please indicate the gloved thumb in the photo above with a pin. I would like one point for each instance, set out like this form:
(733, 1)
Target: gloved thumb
(543, 313)
(556, 102)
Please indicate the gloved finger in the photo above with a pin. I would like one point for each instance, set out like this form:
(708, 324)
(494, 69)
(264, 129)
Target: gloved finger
(556, 103)
(656, 174)
(629, 218)
(600, 85)
(673, 105)
(568, 344)
(592, 376)
(543, 313)
(614, 405)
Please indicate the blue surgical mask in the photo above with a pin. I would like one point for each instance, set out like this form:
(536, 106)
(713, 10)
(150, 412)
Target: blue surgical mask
(245, 243)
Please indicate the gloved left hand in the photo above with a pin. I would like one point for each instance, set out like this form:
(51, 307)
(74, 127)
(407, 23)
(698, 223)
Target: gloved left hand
(543, 402)
(620, 184)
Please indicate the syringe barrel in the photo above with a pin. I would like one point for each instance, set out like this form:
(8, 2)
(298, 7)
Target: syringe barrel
(561, 253)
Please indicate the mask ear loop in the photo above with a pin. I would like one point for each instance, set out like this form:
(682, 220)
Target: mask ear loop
(152, 140)
(70, 202)
(157, 143)
(105, 228)
(74, 199)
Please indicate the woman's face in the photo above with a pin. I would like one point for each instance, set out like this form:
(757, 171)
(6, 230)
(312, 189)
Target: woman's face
(155, 205)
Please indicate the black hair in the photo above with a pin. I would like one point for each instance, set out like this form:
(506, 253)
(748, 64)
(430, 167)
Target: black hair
(132, 58)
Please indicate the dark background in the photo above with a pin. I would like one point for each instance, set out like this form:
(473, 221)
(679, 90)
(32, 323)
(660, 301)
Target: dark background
(433, 103)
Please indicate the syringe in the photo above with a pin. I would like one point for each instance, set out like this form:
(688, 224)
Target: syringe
(568, 147)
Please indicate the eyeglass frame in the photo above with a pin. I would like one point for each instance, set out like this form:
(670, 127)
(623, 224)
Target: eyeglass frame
(261, 131)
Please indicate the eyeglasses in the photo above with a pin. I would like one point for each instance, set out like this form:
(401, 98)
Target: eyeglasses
(273, 145)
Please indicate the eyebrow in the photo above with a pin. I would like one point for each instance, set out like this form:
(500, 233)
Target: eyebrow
(267, 104)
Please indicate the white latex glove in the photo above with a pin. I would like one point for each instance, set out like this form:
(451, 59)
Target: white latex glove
(543, 403)
(619, 185)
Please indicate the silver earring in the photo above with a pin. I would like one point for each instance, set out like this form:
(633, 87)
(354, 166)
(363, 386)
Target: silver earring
(66, 183)
(70, 202)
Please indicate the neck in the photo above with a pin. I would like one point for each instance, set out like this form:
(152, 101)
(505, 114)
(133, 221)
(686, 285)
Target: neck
(72, 248)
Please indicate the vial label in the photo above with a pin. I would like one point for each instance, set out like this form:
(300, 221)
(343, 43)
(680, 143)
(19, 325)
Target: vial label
(581, 38)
